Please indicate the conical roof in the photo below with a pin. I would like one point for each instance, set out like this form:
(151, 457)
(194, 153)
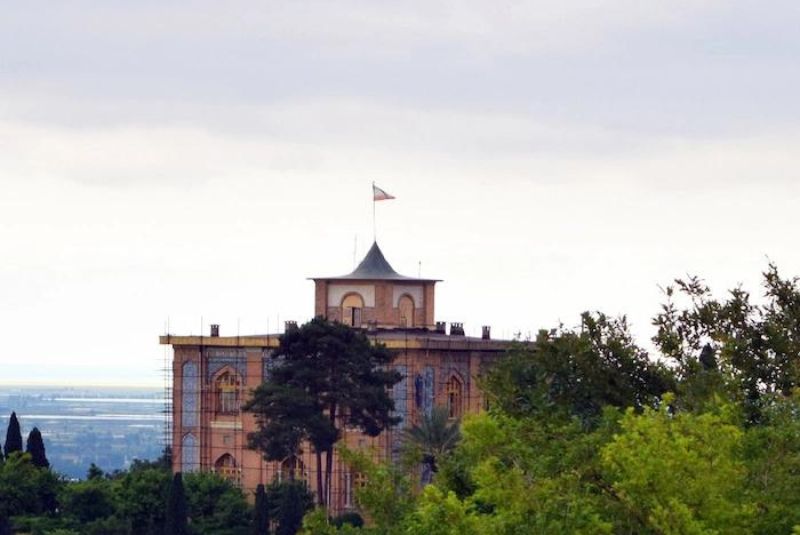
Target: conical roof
(374, 266)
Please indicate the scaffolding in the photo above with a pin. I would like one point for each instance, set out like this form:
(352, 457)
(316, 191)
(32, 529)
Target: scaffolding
(167, 410)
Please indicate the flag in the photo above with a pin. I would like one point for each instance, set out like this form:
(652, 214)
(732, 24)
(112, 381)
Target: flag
(379, 195)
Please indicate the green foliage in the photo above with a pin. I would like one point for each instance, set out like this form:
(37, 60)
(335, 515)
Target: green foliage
(288, 502)
(141, 496)
(216, 506)
(433, 437)
(326, 374)
(387, 495)
(772, 452)
(26, 489)
(442, 513)
(576, 373)
(261, 512)
(13, 436)
(88, 501)
(680, 473)
(530, 476)
(35, 447)
(350, 518)
(316, 522)
(176, 520)
(758, 345)
(35, 525)
(94, 472)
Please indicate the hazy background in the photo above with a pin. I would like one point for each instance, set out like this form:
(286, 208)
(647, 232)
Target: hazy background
(172, 161)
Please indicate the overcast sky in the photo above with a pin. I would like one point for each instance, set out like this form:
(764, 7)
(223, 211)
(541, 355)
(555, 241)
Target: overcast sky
(171, 161)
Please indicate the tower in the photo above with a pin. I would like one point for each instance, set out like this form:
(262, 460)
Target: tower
(375, 296)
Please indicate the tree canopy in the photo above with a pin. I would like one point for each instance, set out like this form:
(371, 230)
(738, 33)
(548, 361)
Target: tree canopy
(577, 372)
(325, 375)
(35, 447)
(733, 347)
(13, 436)
(588, 433)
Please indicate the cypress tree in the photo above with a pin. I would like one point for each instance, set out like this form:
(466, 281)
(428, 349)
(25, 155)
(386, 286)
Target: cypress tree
(176, 518)
(35, 446)
(261, 514)
(13, 436)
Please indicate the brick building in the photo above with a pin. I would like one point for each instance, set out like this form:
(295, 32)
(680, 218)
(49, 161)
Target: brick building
(213, 374)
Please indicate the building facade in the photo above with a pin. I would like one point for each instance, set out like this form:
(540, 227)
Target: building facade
(212, 375)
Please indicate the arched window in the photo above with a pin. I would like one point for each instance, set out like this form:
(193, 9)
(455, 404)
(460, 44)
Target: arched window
(226, 388)
(406, 307)
(352, 305)
(455, 397)
(291, 469)
(353, 481)
(190, 394)
(189, 454)
(226, 467)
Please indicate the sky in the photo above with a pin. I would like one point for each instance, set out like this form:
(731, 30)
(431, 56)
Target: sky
(166, 165)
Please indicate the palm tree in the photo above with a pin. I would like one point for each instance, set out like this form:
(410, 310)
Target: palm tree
(434, 436)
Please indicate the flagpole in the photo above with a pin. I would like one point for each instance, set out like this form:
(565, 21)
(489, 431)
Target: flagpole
(374, 227)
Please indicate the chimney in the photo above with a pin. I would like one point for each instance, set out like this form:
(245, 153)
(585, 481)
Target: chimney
(456, 329)
(215, 329)
(441, 327)
(486, 332)
(289, 325)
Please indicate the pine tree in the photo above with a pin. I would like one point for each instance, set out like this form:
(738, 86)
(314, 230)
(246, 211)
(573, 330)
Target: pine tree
(326, 376)
(176, 518)
(35, 446)
(13, 436)
(261, 516)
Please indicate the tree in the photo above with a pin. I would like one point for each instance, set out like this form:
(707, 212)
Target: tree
(433, 437)
(261, 512)
(680, 473)
(526, 475)
(35, 447)
(772, 456)
(141, 494)
(576, 373)
(288, 502)
(756, 347)
(215, 505)
(386, 497)
(26, 489)
(177, 514)
(94, 472)
(88, 501)
(13, 436)
(326, 375)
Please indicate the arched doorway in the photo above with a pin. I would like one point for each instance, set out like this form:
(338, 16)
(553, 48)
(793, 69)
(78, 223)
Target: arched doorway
(352, 305)
(406, 308)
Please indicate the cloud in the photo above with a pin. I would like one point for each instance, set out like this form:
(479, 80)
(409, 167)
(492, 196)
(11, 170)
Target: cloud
(659, 66)
(341, 137)
(163, 159)
(352, 27)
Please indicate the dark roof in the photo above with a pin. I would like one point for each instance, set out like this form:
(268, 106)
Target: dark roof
(375, 267)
